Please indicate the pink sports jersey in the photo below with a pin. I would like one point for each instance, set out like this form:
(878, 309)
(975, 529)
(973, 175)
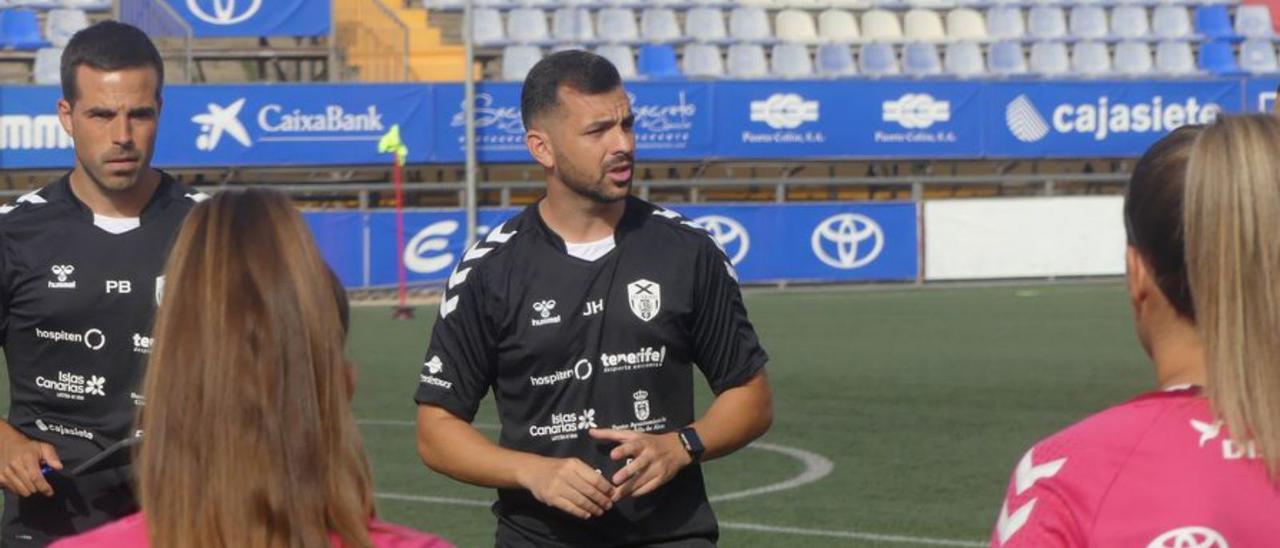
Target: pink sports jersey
(1156, 472)
(131, 532)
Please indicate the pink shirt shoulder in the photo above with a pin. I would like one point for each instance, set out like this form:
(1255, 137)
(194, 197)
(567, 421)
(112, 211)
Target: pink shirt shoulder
(131, 532)
(1156, 471)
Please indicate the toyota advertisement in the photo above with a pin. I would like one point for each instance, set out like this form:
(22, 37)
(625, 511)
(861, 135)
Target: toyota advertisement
(254, 18)
(766, 243)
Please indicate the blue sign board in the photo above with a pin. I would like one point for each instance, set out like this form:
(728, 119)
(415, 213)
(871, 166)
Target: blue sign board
(225, 18)
(1260, 94)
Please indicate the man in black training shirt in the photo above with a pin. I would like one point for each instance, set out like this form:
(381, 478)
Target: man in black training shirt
(585, 315)
(81, 264)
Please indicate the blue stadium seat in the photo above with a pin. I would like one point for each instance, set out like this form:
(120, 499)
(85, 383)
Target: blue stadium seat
(659, 25)
(1050, 59)
(835, 60)
(20, 30)
(1254, 21)
(703, 61)
(964, 60)
(1171, 22)
(1047, 23)
(1130, 22)
(517, 61)
(1175, 59)
(1005, 23)
(1217, 57)
(921, 59)
(791, 61)
(573, 25)
(1006, 59)
(1088, 22)
(747, 61)
(705, 25)
(1214, 21)
(749, 24)
(617, 25)
(1133, 59)
(622, 58)
(658, 61)
(1258, 56)
(878, 59)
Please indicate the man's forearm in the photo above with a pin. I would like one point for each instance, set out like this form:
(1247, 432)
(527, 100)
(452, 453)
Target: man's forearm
(738, 416)
(456, 449)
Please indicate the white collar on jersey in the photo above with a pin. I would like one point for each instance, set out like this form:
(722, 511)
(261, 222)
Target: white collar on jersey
(116, 225)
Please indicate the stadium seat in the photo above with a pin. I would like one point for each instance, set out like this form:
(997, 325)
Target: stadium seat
(966, 24)
(617, 25)
(1130, 22)
(964, 60)
(921, 59)
(1254, 21)
(835, 60)
(705, 25)
(622, 58)
(1258, 56)
(1005, 23)
(1047, 23)
(1006, 59)
(1214, 21)
(487, 27)
(527, 26)
(923, 25)
(1175, 59)
(658, 61)
(1217, 57)
(850, 4)
(1171, 22)
(659, 25)
(749, 24)
(1050, 59)
(838, 26)
(87, 5)
(1133, 59)
(797, 26)
(881, 26)
(747, 61)
(878, 59)
(34, 4)
(703, 61)
(567, 46)
(1088, 22)
(20, 30)
(48, 70)
(791, 61)
(518, 60)
(60, 24)
(573, 25)
(1090, 59)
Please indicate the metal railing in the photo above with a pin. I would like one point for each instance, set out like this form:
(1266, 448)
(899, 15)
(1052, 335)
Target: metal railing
(171, 33)
(373, 39)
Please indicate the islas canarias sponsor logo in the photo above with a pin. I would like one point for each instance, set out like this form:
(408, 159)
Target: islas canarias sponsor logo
(565, 426)
(70, 386)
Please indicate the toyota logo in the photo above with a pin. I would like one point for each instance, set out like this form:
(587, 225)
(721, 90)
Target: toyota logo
(848, 241)
(1189, 537)
(726, 233)
(224, 11)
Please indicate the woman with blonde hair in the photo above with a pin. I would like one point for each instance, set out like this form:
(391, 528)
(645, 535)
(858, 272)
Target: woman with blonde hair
(249, 438)
(1193, 464)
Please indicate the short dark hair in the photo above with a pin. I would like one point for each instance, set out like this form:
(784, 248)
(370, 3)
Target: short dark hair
(1153, 214)
(108, 46)
(581, 71)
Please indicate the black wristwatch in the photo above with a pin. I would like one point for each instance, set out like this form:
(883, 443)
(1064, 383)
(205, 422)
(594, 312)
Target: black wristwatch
(692, 443)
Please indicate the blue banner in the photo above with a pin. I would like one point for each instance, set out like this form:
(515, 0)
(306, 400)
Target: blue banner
(225, 18)
(767, 243)
(1260, 94)
(848, 120)
(30, 134)
(1097, 119)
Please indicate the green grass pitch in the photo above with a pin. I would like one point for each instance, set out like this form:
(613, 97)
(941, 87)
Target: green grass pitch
(922, 399)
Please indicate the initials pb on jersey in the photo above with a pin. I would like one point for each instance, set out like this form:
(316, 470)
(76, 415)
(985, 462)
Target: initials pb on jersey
(77, 297)
(568, 345)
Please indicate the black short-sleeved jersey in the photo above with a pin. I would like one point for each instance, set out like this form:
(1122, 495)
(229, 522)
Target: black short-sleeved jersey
(568, 345)
(76, 304)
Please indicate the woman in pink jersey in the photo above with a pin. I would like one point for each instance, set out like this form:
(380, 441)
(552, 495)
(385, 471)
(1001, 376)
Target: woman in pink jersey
(249, 439)
(1194, 463)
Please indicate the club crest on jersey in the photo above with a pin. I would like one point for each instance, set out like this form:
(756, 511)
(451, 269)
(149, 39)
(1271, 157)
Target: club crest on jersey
(641, 405)
(645, 298)
(63, 273)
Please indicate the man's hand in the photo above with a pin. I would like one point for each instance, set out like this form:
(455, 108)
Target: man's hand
(20, 459)
(652, 460)
(569, 485)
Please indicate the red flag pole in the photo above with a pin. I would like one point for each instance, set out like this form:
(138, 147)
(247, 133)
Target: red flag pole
(403, 311)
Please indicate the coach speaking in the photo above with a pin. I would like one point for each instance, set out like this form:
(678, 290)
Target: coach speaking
(586, 314)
